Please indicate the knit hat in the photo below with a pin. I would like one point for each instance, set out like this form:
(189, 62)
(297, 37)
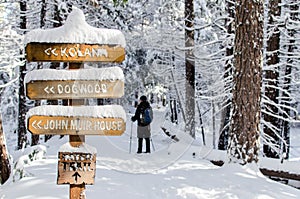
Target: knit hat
(143, 98)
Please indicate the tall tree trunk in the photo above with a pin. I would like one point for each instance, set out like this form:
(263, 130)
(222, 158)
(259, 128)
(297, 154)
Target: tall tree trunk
(5, 168)
(223, 139)
(57, 22)
(189, 68)
(294, 16)
(272, 138)
(22, 138)
(244, 133)
(35, 138)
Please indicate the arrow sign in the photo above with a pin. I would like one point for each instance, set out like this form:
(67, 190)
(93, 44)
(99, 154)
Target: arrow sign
(36, 124)
(49, 90)
(74, 89)
(72, 170)
(77, 120)
(79, 84)
(70, 125)
(66, 52)
(76, 175)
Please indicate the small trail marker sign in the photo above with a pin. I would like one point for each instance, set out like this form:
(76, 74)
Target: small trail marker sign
(76, 168)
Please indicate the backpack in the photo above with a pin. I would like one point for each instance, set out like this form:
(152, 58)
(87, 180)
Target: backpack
(146, 116)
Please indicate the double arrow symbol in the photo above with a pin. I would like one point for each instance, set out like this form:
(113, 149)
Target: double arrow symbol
(49, 89)
(37, 124)
(47, 51)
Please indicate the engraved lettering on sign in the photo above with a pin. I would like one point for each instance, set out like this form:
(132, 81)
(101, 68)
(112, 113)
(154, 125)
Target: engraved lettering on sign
(76, 168)
(81, 88)
(78, 124)
(71, 89)
(76, 52)
(70, 52)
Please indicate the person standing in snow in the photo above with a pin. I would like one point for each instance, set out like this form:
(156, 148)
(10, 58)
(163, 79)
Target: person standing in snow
(143, 129)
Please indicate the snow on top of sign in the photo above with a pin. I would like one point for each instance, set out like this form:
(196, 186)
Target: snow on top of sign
(112, 73)
(105, 111)
(76, 30)
(83, 148)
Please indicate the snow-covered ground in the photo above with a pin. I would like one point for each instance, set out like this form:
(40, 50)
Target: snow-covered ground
(170, 171)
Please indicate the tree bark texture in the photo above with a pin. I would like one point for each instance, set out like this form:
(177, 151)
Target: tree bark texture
(5, 168)
(244, 135)
(22, 137)
(189, 68)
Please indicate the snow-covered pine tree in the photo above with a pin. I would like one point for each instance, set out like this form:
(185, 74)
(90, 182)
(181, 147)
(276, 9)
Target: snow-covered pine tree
(271, 125)
(244, 134)
(290, 47)
(22, 137)
(189, 17)
(42, 20)
(280, 72)
(9, 61)
(213, 66)
(225, 118)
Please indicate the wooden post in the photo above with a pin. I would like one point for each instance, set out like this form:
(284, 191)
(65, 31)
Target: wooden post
(76, 191)
(76, 54)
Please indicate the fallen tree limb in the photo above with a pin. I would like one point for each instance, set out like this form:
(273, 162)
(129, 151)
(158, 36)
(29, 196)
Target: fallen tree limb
(268, 166)
(280, 174)
(268, 172)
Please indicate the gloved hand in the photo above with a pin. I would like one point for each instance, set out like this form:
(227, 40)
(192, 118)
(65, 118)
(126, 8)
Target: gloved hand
(132, 119)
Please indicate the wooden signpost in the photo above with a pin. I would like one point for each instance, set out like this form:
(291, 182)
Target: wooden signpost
(75, 168)
(75, 125)
(74, 89)
(66, 52)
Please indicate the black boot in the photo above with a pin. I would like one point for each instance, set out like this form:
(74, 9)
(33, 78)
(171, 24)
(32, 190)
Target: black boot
(140, 145)
(147, 145)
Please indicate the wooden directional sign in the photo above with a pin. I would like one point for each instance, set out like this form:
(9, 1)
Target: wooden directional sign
(74, 89)
(76, 168)
(65, 52)
(73, 125)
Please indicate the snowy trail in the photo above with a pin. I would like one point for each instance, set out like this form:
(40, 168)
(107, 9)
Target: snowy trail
(187, 177)
(170, 172)
(117, 156)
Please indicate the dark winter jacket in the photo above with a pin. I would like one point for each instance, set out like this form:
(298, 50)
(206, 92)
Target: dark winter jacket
(140, 109)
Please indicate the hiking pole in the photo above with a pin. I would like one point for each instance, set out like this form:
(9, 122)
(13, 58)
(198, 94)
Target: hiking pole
(130, 138)
(152, 144)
